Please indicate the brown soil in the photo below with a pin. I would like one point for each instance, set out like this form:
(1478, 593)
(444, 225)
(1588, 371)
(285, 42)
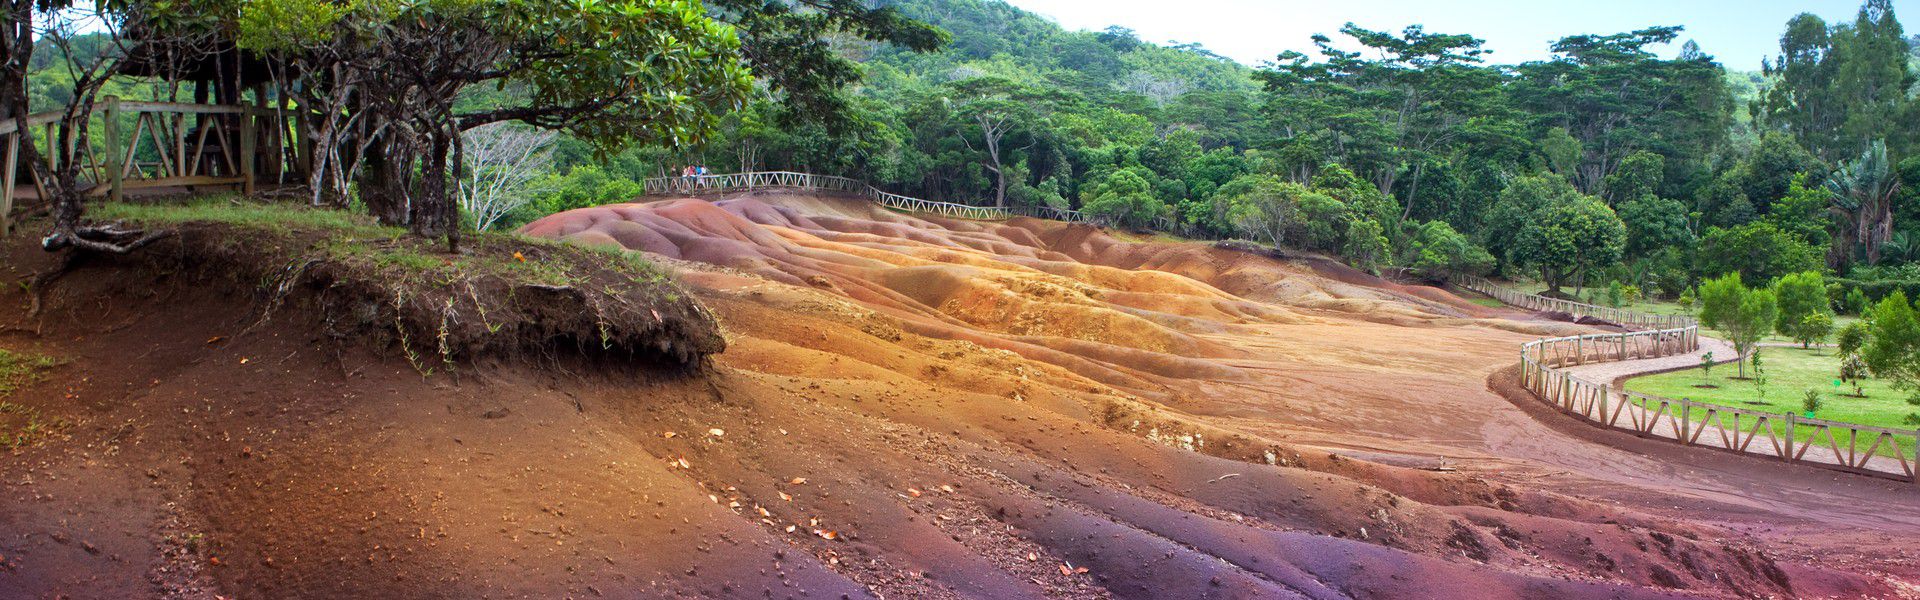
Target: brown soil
(906, 407)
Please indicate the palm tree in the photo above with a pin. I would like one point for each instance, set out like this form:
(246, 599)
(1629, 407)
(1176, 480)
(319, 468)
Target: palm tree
(1863, 191)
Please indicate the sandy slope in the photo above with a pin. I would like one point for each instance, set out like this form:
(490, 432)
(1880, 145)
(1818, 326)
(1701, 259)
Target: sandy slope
(908, 408)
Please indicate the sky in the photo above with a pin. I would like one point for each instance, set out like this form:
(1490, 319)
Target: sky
(1738, 34)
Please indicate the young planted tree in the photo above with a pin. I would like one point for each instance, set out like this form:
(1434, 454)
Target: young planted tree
(1805, 314)
(1743, 314)
(1892, 350)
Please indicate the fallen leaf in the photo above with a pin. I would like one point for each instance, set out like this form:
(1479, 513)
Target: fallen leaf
(763, 511)
(715, 499)
(1066, 570)
(216, 339)
(520, 257)
(828, 534)
(797, 481)
(1078, 570)
(915, 492)
(668, 434)
(684, 464)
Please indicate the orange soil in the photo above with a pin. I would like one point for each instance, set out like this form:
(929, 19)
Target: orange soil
(934, 408)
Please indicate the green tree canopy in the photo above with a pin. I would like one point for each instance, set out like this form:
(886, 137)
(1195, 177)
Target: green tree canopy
(1805, 313)
(1743, 314)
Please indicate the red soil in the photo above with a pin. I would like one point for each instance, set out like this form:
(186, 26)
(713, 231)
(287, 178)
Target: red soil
(936, 408)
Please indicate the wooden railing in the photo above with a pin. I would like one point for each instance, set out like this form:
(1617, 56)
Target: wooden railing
(1627, 318)
(739, 182)
(138, 145)
(1869, 450)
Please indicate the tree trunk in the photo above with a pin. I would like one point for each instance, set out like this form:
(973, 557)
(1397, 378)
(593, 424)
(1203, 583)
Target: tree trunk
(383, 183)
(433, 213)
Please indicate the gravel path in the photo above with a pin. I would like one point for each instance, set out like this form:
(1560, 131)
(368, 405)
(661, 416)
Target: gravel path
(1607, 372)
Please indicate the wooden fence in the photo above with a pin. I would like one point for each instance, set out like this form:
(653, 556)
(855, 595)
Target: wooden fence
(740, 182)
(137, 145)
(1791, 438)
(1627, 318)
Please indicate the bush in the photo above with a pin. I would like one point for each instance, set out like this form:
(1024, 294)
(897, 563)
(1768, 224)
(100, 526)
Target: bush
(1854, 302)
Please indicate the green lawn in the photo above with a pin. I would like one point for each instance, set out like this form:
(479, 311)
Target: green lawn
(1790, 373)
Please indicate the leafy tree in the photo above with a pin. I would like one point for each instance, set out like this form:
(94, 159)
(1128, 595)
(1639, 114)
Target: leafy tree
(1892, 350)
(1842, 85)
(1638, 176)
(1745, 315)
(1439, 252)
(1516, 207)
(1124, 197)
(1654, 224)
(1569, 238)
(1803, 212)
(1366, 244)
(1265, 206)
(1804, 314)
(1776, 161)
(1615, 97)
(1757, 250)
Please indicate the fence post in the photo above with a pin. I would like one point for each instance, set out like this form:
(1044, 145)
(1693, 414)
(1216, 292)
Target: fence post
(247, 143)
(116, 172)
(1606, 391)
(1791, 420)
(1686, 420)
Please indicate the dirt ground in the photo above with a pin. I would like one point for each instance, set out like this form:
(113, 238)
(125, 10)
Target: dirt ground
(907, 407)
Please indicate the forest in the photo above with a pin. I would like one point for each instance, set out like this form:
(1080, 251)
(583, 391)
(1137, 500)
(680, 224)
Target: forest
(1607, 166)
(1608, 163)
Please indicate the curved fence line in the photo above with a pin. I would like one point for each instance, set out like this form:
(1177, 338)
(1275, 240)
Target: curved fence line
(1868, 450)
(1631, 319)
(737, 182)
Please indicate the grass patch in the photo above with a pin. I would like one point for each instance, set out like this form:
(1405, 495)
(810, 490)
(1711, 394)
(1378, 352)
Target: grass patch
(503, 293)
(22, 425)
(19, 369)
(1790, 373)
(233, 210)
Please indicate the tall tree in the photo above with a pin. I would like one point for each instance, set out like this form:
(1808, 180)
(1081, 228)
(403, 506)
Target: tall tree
(1616, 97)
(1863, 191)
